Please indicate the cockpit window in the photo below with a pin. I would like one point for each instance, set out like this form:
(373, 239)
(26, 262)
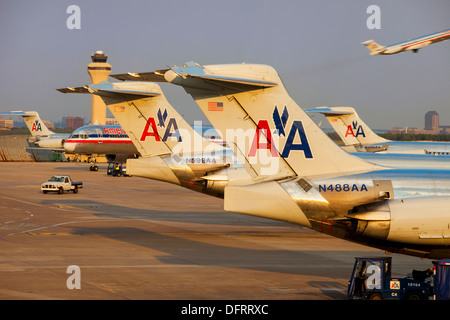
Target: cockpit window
(87, 132)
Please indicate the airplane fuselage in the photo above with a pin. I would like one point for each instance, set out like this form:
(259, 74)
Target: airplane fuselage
(413, 44)
(397, 210)
(99, 139)
(414, 147)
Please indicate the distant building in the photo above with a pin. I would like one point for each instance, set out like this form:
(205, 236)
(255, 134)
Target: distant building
(396, 130)
(431, 126)
(6, 124)
(431, 120)
(412, 131)
(74, 122)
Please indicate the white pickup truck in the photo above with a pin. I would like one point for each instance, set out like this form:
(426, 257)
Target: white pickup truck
(60, 184)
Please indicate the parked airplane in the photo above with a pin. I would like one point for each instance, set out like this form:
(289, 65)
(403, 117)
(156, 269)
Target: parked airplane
(172, 151)
(209, 133)
(308, 179)
(357, 135)
(92, 140)
(413, 44)
(111, 140)
(42, 137)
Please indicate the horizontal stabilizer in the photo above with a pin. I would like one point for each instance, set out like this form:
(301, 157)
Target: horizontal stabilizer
(19, 113)
(156, 76)
(106, 89)
(217, 77)
(194, 70)
(331, 111)
(74, 90)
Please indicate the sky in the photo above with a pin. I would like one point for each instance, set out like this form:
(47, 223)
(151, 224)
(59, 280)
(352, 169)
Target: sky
(315, 45)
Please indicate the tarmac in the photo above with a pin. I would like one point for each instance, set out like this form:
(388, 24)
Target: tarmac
(129, 238)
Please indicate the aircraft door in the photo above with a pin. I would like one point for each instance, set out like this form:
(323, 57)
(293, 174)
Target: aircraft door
(99, 133)
(383, 189)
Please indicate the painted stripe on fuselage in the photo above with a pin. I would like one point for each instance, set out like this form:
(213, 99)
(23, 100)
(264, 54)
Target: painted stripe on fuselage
(98, 141)
(416, 41)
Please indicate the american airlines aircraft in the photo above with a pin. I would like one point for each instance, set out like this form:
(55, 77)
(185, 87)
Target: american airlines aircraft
(301, 176)
(110, 140)
(87, 140)
(356, 134)
(42, 136)
(155, 127)
(172, 151)
(113, 140)
(413, 44)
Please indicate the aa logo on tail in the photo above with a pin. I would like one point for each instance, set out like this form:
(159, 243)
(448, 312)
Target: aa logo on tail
(354, 127)
(170, 129)
(296, 132)
(36, 126)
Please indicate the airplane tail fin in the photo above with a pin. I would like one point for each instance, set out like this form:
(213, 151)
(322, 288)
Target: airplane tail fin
(33, 121)
(373, 47)
(150, 121)
(349, 126)
(249, 102)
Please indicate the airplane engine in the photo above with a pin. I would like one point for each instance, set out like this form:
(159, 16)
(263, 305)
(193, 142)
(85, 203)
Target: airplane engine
(122, 158)
(416, 220)
(216, 186)
(50, 143)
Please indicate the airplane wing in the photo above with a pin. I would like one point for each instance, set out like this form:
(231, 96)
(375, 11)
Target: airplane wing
(57, 150)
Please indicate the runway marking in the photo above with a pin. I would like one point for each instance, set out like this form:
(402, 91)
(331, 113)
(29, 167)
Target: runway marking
(49, 234)
(7, 222)
(57, 225)
(34, 204)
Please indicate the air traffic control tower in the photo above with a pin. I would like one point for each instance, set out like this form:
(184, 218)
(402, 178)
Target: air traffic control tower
(99, 71)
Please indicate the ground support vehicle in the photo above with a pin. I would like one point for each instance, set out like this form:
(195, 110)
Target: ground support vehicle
(441, 280)
(371, 279)
(60, 184)
(116, 169)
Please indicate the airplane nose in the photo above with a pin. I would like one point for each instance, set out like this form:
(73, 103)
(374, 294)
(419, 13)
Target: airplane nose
(69, 146)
